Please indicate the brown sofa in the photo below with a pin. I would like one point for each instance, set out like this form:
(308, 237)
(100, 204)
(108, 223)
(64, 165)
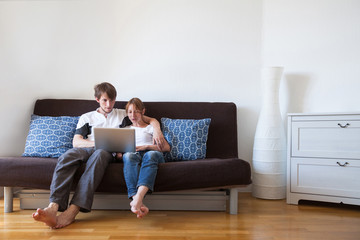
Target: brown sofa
(222, 169)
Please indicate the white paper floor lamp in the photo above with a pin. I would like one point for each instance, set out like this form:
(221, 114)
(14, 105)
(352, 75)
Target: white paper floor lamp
(269, 153)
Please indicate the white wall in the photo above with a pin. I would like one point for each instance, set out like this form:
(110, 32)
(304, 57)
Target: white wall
(188, 50)
(318, 44)
(158, 50)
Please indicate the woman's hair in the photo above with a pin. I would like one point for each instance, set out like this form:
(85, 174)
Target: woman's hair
(107, 88)
(138, 104)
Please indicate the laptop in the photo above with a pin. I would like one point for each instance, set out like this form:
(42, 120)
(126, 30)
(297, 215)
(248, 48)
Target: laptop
(115, 139)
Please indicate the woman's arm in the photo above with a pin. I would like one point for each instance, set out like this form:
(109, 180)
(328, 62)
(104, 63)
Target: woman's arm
(80, 142)
(154, 147)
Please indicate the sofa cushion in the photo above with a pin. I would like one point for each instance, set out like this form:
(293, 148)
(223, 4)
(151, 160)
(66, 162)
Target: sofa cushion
(186, 137)
(49, 136)
(171, 176)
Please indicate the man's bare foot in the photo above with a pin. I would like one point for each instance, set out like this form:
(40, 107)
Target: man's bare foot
(68, 217)
(46, 215)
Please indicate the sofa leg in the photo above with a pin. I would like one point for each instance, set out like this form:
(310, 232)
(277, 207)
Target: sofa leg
(8, 199)
(233, 201)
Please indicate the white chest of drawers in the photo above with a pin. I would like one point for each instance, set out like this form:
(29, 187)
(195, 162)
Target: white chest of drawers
(323, 158)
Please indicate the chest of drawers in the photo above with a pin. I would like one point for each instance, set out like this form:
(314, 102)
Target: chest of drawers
(323, 158)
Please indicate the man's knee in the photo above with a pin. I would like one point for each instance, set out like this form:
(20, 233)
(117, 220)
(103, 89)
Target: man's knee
(102, 156)
(72, 155)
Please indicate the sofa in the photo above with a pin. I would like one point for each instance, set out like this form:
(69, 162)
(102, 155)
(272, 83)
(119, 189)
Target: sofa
(221, 169)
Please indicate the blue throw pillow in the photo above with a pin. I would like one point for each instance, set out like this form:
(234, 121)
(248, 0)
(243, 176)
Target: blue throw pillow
(50, 136)
(186, 137)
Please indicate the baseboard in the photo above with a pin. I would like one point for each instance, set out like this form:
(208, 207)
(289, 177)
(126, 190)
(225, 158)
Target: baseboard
(179, 200)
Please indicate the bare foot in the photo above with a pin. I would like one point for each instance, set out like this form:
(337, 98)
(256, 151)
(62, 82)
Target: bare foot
(144, 210)
(46, 215)
(68, 217)
(138, 207)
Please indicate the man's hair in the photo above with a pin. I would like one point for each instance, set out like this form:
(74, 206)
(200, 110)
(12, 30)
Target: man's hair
(138, 104)
(107, 88)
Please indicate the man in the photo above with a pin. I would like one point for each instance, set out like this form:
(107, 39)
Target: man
(83, 153)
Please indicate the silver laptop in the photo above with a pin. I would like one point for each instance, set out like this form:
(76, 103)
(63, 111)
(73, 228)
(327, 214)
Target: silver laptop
(115, 139)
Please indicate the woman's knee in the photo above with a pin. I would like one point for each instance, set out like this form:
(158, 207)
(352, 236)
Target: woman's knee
(130, 157)
(154, 156)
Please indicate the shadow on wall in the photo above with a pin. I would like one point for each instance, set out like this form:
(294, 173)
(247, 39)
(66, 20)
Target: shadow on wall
(297, 85)
(247, 121)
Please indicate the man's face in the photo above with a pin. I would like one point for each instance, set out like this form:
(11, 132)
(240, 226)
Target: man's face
(106, 104)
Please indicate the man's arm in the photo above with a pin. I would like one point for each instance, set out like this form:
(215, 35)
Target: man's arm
(158, 136)
(80, 142)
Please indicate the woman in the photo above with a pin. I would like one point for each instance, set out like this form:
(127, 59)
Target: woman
(140, 167)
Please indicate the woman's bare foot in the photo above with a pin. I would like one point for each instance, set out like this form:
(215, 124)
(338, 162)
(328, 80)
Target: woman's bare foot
(139, 209)
(47, 215)
(68, 217)
(144, 211)
(137, 205)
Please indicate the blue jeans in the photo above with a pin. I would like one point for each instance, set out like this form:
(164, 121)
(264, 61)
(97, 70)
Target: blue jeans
(140, 169)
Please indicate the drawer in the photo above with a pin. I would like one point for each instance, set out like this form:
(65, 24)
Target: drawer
(328, 139)
(331, 177)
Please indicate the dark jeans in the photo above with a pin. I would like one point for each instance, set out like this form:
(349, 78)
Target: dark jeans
(96, 162)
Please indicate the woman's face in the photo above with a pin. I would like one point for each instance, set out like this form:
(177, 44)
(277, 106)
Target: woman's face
(134, 114)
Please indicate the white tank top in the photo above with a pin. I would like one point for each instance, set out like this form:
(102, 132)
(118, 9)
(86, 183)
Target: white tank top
(144, 136)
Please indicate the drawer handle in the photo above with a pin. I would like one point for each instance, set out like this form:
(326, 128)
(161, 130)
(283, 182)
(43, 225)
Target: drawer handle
(342, 165)
(344, 126)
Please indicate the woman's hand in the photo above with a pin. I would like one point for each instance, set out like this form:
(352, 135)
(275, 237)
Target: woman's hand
(147, 147)
(142, 148)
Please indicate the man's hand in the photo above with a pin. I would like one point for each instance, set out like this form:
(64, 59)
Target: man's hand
(159, 140)
(118, 156)
(158, 137)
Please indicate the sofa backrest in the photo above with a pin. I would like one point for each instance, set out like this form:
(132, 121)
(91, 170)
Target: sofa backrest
(222, 138)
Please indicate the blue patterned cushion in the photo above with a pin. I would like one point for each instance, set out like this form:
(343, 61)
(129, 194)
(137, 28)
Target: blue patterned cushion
(186, 137)
(49, 136)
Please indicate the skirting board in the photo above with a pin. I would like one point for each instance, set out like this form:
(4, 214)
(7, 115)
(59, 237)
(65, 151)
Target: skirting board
(181, 200)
